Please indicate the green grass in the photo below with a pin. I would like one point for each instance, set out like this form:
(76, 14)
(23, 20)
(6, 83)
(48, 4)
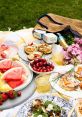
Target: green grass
(19, 13)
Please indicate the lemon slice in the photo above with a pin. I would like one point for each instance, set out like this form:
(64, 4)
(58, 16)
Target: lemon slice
(4, 87)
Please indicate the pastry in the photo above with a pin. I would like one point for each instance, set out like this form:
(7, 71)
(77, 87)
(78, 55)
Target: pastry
(45, 48)
(29, 49)
(78, 72)
(34, 55)
(68, 83)
(78, 108)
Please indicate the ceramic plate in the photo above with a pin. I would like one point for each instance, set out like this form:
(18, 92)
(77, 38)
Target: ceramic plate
(23, 55)
(55, 85)
(26, 94)
(21, 52)
(23, 112)
(12, 50)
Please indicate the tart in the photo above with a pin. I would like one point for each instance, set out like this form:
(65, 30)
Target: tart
(29, 49)
(78, 72)
(45, 48)
(34, 55)
(78, 108)
(68, 83)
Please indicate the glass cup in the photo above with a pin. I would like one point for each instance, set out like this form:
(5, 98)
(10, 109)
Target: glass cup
(57, 58)
(57, 55)
(42, 83)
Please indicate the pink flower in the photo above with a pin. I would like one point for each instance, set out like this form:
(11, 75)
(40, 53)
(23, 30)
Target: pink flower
(79, 57)
(73, 54)
(74, 49)
(78, 41)
(66, 56)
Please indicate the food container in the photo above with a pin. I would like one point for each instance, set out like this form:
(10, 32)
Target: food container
(50, 38)
(38, 34)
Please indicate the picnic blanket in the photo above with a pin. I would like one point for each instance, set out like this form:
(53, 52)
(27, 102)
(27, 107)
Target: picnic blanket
(55, 23)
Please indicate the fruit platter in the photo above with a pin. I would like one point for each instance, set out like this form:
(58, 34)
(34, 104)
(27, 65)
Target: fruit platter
(15, 77)
(41, 66)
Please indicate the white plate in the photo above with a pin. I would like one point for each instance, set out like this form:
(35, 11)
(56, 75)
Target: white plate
(21, 52)
(26, 94)
(12, 51)
(23, 55)
(54, 84)
(23, 111)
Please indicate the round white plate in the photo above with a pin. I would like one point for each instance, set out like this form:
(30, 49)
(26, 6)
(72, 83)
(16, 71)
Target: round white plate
(26, 94)
(23, 112)
(23, 55)
(21, 52)
(12, 51)
(54, 84)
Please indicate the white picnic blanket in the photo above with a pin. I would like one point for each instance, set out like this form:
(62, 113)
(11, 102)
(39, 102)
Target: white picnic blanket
(18, 37)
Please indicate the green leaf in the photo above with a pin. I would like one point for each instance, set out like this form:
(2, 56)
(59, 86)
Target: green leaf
(47, 103)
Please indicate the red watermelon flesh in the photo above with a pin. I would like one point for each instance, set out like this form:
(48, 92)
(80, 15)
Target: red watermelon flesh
(19, 64)
(3, 47)
(5, 65)
(14, 84)
(13, 74)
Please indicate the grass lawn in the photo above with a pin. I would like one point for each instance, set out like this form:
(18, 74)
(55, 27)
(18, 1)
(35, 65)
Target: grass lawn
(19, 13)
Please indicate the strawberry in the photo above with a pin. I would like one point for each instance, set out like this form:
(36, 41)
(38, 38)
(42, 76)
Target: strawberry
(1, 102)
(18, 93)
(3, 55)
(12, 94)
(4, 96)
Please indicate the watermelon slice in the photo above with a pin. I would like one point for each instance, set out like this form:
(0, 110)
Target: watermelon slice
(13, 74)
(5, 65)
(19, 64)
(14, 84)
(3, 47)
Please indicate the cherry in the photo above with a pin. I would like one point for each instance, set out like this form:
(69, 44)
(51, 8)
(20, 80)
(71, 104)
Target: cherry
(41, 70)
(3, 55)
(40, 63)
(37, 65)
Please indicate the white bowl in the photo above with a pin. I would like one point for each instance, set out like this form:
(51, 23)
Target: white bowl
(41, 72)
